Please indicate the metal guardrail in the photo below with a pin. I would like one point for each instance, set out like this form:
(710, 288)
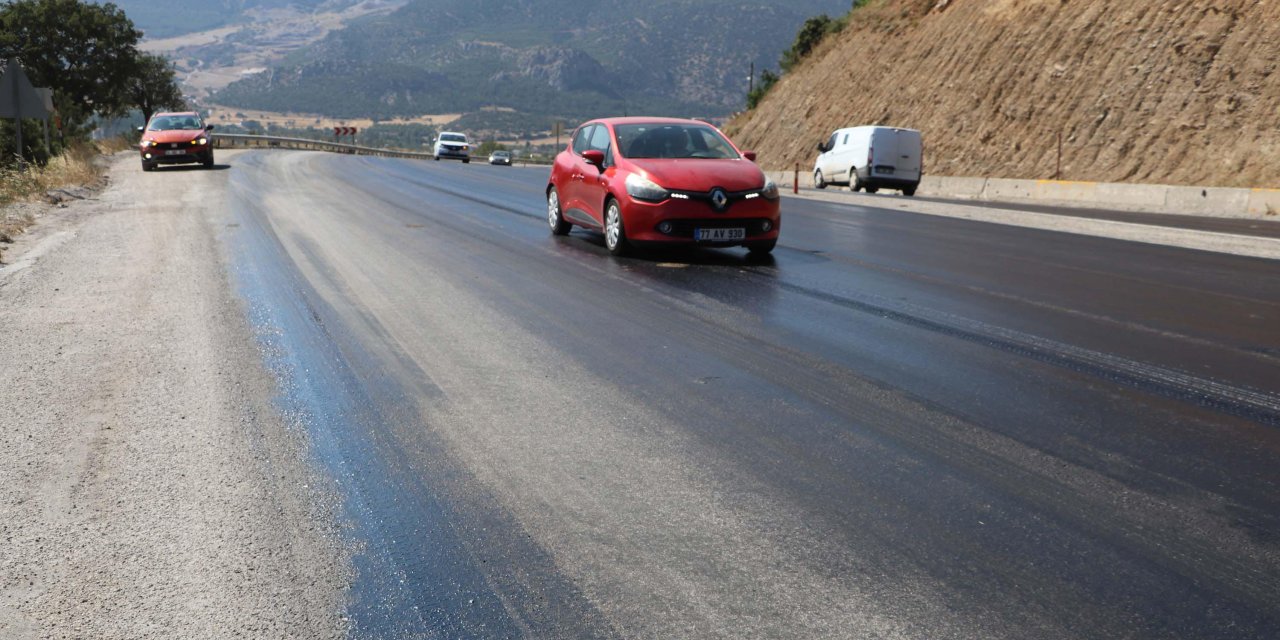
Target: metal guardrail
(241, 140)
(248, 141)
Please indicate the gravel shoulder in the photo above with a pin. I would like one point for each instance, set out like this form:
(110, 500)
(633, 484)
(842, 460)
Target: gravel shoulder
(148, 486)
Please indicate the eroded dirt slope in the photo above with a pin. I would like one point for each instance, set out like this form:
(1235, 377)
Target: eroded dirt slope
(1156, 91)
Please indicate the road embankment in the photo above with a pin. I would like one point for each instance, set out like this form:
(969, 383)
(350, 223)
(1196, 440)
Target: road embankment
(148, 487)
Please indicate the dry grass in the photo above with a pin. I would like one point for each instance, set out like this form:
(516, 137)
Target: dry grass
(75, 167)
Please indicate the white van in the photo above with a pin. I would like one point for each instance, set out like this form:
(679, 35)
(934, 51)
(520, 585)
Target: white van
(870, 158)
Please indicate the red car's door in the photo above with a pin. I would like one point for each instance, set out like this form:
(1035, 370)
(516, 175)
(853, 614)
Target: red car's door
(570, 185)
(594, 185)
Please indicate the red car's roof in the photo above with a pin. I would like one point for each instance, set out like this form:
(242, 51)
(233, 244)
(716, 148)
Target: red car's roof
(644, 120)
(176, 113)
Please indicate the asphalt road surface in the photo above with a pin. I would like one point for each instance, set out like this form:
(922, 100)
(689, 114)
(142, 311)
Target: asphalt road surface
(900, 426)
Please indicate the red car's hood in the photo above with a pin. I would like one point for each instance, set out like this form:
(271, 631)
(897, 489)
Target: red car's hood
(174, 135)
(697, 174)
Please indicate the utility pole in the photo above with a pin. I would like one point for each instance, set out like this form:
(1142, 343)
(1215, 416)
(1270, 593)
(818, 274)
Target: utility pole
(751, 79)
(1057, 172)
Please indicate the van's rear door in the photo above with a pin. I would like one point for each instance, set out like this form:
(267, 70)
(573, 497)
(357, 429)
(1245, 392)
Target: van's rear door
(896, 154)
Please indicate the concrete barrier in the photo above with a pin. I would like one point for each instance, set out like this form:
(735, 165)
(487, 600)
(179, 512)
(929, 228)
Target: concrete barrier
(1206, 201)
(784, 179)
(1007, 189)
(1063, 190)
(970, 188)
(1200, 201)
(1130, 196)
(1264, 203)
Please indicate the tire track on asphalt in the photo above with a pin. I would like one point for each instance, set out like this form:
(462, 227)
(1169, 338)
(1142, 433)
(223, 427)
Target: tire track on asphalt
(1243, 402)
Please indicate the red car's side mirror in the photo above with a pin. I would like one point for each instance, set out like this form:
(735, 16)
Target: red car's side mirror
(594, 156)
(750, 155)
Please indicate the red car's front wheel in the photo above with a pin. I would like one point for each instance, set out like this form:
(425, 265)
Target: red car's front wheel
(615, 237)
(554, 219)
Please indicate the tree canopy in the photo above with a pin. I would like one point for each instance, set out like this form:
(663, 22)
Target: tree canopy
(87, 53)
(152, 87)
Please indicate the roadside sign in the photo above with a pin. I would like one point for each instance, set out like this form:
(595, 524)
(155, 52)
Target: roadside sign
(46, 96)
(18, 99)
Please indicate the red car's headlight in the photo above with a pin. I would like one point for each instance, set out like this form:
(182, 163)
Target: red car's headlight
(642, 188)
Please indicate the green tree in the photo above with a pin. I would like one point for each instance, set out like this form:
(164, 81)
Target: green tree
(767, 80)
(153, 86)
(811, 33)
(489, 146)
(86, 52)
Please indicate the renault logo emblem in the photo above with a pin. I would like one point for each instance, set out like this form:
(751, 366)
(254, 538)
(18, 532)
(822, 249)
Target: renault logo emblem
(719, 199)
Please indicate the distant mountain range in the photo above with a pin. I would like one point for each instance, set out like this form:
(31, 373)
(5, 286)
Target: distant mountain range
(168, 18)
(526, 59)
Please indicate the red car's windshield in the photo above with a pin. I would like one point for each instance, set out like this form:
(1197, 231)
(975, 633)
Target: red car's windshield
(170, 123)
(661, 140)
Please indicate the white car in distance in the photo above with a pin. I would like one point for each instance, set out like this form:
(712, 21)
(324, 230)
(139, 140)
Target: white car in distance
(450, 144)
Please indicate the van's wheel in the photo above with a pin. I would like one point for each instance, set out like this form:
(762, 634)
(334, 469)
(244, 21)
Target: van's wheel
(909, 191)
(466, 161)
(437, 158)
(818, 182)
(872, 189)
(855, 184)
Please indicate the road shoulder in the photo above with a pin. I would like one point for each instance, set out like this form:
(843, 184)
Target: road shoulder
(148, 486)
(1123, 226)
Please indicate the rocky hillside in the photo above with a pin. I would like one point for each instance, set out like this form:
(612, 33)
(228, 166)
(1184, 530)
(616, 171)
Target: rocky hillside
(1158, 91)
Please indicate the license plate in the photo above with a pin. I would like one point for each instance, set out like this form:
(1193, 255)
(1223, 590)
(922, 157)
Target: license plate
(175, 152)
(885, 170)
(719, 235)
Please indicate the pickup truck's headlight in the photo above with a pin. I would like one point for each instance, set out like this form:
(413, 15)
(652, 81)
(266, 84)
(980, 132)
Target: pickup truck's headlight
(642, 188)
(770, 190)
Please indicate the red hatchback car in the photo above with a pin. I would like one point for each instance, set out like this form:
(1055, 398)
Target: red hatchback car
(176, 138)
(662, 181)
